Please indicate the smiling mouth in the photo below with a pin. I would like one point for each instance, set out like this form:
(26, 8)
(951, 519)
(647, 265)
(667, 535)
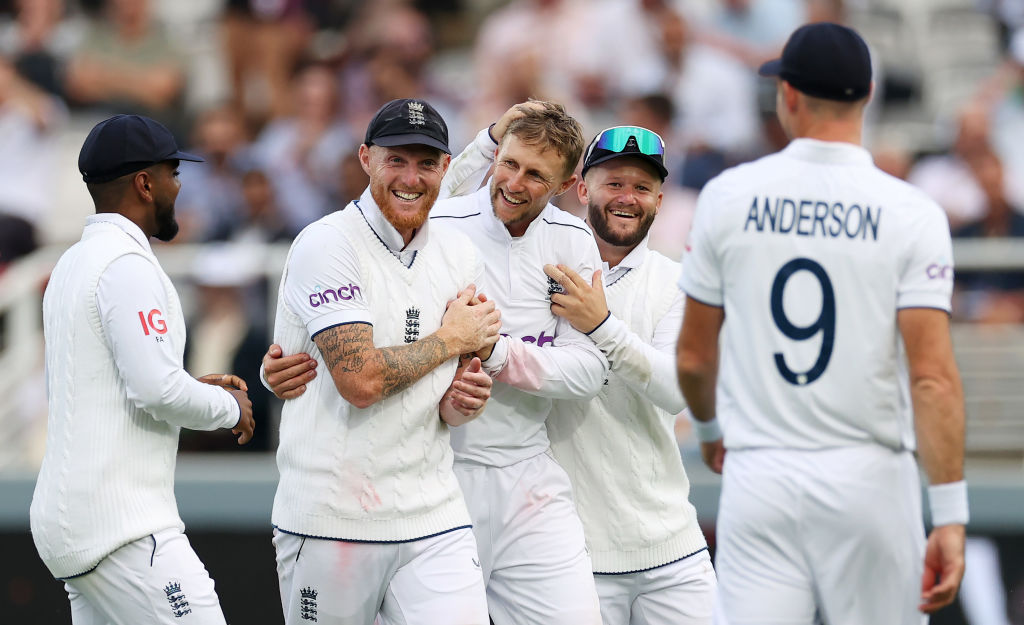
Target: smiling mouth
(406, 196)
(510, 200)
(623, 214)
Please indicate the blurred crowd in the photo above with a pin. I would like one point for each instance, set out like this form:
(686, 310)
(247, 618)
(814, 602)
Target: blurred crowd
(276, 94)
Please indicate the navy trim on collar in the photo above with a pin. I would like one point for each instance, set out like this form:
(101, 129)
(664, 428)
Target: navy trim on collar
(397, 256)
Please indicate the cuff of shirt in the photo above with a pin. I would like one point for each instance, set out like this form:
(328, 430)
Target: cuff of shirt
(238, 419)
(607, 335)
(337, 318)
(923, 299)
(710, 297)
(485, 143)
(499, 356)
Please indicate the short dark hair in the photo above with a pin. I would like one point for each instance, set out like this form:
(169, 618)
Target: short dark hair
(552, 126)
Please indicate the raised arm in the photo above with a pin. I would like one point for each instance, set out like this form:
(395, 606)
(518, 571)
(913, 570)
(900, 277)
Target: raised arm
(469, 169)
(365, 374)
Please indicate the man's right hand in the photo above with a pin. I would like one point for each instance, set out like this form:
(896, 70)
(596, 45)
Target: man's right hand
(246, 424)
(467, 327)
(714, 455)
(288, 375)
(514, 112)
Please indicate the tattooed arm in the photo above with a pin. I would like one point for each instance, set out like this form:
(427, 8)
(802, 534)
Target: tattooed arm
(365, 374)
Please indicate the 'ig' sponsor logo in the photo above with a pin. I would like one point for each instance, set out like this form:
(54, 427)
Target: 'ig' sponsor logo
(321, 297)
(153, 320)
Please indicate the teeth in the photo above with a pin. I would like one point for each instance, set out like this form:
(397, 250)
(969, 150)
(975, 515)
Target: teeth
(406, 195)
(511, 201)
(622, 214)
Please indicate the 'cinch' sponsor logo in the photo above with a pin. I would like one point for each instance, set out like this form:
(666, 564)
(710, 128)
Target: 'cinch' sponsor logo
(543, 340)
(319, 298)
(936, 271)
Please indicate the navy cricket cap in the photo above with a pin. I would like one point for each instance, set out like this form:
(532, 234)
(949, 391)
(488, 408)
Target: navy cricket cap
(824, 60)
(408, 122)
(124, 144)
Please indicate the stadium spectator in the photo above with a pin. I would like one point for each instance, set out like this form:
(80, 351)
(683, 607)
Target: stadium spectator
(648, 46)
(30, 122)
(39, 41)
(754, 30)
(263, 42)
(534, 48)
(127, 64)
(304, 149)
(950, 178)
(991, 296)
(390, 47)
(211, 200)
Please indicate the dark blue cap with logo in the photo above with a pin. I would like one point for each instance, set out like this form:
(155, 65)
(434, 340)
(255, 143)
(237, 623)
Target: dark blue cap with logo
(408, 122)
(124, 144)
(826, 61)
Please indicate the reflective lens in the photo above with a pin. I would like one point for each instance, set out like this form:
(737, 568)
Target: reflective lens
(615, 140)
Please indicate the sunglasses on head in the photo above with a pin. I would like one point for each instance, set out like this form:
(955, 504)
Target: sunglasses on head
(616, 139)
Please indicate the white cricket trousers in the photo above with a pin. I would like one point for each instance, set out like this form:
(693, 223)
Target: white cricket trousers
(831, 536)
(156, 579)
(678, 593)
(430, 581)
(530, 539)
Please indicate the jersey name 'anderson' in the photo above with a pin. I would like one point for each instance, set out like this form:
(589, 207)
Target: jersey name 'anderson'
(814, 217)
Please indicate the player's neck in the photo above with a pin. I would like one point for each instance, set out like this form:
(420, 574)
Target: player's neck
(612, 254)
(838, 130)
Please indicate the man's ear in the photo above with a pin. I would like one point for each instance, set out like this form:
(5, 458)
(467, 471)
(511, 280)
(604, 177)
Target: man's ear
(567, 184)
(364, 158)
(582, 192)
(142, 182)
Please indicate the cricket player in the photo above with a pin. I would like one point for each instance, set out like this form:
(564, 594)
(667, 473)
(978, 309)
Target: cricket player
(529, 536)
(651, 563)
(103, 514)
(817, 333)
(369, 519)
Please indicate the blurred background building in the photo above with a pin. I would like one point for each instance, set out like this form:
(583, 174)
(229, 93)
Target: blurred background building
(276, 95)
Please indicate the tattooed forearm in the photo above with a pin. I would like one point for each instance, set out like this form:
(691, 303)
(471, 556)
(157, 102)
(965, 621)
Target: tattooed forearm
(366, 374)
(345, 346)
(405, 364)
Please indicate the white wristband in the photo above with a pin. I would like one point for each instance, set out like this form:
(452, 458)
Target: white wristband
(948, 503)
(707, 431)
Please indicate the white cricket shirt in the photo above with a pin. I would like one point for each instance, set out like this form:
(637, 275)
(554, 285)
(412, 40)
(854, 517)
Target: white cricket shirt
(118, 396)
(811, 251)
(552, 360)
(384, 472)
(619, 449)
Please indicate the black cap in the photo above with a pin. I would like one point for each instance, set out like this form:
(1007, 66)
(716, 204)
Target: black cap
(824, 60)
(408, 122)
(595, 155)
(124, 144)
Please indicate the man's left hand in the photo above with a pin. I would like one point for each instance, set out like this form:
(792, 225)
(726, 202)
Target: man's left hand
(582, 305)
